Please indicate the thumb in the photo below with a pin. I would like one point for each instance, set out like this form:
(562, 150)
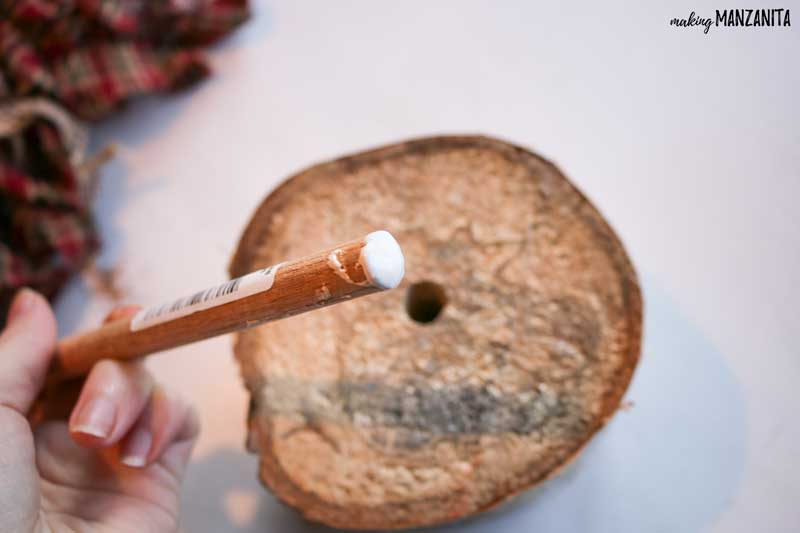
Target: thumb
(26, 346)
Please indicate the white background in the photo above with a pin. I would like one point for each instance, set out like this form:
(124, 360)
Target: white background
(688, 143)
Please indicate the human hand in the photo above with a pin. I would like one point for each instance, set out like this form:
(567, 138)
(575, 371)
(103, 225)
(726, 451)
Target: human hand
(116, 466)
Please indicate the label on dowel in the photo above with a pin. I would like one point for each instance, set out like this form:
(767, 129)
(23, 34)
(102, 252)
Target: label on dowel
(230, 291)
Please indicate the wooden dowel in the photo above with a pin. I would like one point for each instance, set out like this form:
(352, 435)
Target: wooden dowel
(353, 269)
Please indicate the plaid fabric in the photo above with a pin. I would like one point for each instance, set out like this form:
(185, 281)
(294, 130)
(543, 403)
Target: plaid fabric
(89, 56)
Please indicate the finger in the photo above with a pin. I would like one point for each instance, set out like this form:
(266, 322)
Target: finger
(26, 347)
(112, 399)
(58, 401)
(122, 311)
(167, 432)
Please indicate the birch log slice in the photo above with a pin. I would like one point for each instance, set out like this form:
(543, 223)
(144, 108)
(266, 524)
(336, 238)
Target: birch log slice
(509, 344)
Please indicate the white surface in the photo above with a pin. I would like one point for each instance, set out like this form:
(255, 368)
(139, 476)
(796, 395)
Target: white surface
(382, 260)
(687, 142)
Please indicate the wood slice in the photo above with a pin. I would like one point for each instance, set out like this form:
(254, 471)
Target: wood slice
(507, 347)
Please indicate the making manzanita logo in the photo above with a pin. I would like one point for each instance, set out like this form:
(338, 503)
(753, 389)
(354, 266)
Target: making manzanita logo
(727, 18)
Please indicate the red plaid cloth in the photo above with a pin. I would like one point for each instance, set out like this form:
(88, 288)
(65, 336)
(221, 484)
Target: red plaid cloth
(89, 56)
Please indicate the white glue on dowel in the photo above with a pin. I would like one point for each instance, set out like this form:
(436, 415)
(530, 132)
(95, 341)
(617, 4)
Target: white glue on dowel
(356, 268)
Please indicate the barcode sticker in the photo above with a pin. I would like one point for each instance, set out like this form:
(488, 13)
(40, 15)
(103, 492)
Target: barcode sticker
(234, 289)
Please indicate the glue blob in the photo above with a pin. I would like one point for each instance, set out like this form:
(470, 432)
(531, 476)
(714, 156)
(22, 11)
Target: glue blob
(382, 260)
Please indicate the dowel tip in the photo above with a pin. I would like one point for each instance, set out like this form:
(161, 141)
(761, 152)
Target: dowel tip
(382, 260)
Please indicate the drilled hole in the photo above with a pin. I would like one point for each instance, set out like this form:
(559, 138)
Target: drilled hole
(425, 301)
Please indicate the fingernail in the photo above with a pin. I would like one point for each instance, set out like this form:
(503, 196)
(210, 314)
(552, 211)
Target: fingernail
(96, 418)
(23, 302)
(134, 453)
